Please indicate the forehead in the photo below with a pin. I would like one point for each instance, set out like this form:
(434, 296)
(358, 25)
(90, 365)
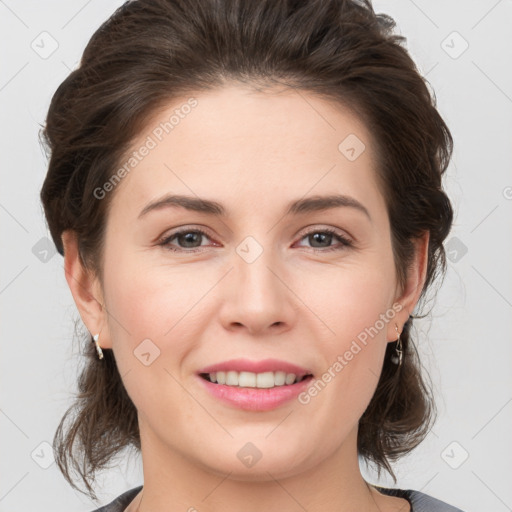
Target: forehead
(249, 144)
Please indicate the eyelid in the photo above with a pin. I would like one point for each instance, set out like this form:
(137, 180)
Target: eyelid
(345, 241)
(314, 228)
(161, 240)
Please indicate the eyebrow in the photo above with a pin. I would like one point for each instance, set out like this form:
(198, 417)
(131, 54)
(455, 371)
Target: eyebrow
(299, 206)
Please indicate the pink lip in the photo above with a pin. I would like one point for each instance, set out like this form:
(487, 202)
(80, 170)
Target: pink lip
(254, 399)
(266, 365)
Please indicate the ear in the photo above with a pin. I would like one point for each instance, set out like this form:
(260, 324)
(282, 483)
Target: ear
(408, 297)
(86, 290)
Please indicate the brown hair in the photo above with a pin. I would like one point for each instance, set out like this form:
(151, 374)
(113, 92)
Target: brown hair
(150, 52)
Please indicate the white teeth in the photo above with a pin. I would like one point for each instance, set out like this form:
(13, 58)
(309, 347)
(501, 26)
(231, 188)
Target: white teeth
(290, 378)
(254, 380)
(265, 380)
(247, 380)
(232, 378)
(280, 378)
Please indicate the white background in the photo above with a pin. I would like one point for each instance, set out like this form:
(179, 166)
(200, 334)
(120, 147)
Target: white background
(466, 348)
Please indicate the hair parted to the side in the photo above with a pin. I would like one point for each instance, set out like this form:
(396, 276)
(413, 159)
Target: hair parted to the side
(150, 52)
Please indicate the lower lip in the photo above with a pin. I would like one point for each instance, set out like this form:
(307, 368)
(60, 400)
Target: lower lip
(256, 399)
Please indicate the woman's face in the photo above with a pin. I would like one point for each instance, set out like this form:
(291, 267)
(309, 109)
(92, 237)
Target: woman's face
(263, 283)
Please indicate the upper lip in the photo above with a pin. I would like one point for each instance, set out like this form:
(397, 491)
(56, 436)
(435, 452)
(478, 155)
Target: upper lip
(265, 365)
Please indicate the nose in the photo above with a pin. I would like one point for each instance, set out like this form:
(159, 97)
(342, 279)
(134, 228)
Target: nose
(259, 296)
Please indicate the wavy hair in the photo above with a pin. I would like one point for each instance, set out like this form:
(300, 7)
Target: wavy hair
(150, 52)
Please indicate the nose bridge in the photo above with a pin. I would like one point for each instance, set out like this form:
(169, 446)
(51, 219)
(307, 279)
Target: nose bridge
(259, 300)
(254, 262)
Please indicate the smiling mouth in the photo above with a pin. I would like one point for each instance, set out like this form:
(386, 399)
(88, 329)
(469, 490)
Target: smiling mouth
(265, 380)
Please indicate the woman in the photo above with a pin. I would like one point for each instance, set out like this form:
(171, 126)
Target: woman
(248, 199)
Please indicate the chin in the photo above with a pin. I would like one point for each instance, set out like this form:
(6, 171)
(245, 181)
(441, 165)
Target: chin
(260, 460)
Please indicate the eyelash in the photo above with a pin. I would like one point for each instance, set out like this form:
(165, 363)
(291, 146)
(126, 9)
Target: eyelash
(345, 242)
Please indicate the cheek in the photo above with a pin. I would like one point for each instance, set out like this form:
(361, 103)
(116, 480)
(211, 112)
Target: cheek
(150, 317)
(158, 313)
(350, 299)
(355, 307)
(150, 301)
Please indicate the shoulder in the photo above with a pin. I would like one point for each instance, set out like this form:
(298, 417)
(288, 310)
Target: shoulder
(420, 502)
(121, 502)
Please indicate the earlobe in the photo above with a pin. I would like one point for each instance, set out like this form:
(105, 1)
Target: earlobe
(416, 275)
(85, 288)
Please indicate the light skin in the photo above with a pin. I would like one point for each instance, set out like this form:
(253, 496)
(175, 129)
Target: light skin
(254, 153)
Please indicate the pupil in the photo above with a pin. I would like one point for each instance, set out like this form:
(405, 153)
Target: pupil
(316, 235)
(189, 237)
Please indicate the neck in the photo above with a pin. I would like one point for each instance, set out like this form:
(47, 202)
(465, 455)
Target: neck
(173, 482)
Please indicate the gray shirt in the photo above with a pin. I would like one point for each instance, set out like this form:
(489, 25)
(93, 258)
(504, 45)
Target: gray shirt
(419, 501)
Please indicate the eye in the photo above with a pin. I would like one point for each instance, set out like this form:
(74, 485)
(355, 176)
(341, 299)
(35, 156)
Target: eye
(188, 237)
(189, 240)
(325, 236)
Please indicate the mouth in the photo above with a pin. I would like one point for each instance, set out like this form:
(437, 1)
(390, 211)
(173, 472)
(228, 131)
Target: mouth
(255, 385)
(264, 380)
(254, 391)
(245, 373)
